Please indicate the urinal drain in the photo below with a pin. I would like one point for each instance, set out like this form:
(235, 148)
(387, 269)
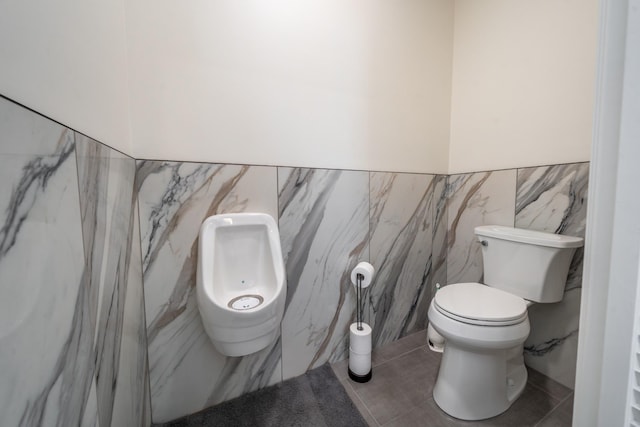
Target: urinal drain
(245, 302)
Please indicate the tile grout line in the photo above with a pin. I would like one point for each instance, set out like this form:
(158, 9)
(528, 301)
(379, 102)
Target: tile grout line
(424, 347)
(545, 391)
(355, 392)
(397, 417)
(421, 347)
(548, 414)
(400, 355)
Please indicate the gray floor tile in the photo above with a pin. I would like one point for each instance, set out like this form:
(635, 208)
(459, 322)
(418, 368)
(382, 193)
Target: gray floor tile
(560, 416)
(398, 386)
(400, 392)
(399, 347)
(528, 410)
(341, 369)
(548, 385)
(426, 415)
(358, 403)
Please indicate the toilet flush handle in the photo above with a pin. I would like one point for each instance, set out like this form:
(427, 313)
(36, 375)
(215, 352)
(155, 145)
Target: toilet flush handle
(484, 243)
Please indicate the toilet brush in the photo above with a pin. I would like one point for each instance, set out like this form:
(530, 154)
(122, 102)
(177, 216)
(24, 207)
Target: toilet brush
(359, 332)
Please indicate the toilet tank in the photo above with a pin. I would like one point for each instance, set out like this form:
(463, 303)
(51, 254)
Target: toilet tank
(531, 264)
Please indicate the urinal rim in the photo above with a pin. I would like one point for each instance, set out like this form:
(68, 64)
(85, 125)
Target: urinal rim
(244, 218)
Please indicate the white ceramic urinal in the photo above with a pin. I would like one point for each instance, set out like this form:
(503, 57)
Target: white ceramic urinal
(241, 282)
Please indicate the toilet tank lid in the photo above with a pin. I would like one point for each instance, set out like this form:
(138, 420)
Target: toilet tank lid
(531, 237)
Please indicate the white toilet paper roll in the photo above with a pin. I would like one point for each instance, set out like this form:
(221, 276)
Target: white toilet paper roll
(360, 341)
(367, 272)
(359, 364)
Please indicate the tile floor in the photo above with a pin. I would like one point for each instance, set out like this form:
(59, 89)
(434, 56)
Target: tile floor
(400, 392)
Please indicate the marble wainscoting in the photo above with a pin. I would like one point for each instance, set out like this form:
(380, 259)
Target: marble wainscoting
(440, 233)
(72, 332)
(186, 373)
(554, 199)
(46, 332)
(324, 228)
(114, 280)
(474, 199)
(401, 230)
(324, 220)
(132, 398)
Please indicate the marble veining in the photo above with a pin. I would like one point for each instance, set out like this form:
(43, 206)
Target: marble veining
(35, 176)
(549, 345)
(554, 199)
(131, 401)
(474, 199)
(66, 217)
(401, 232)
(440, 234)
(186, 373)
(46, 333)
(324, 228)
(552, 346)
(106, 188)
(90, 418)
(113, 277)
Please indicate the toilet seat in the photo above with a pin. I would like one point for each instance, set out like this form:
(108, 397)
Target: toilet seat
(478, 304)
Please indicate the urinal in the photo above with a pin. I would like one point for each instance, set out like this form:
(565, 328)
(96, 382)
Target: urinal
(241, 285)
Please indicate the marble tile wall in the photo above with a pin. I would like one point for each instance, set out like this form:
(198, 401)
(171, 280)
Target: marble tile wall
(114, 280)
(324, 226)
(475, 199)
(554, 199)
(402, 231)
(325, 218)
(440, 233)
(186, 373)
(416, 229)
(548, 198)
(46, 332)
(67, 279)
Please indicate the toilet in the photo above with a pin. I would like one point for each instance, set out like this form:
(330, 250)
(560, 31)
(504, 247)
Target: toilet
(484, 326)
(241, 284)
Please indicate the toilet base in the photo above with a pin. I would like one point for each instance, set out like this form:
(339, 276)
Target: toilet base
(482, 370)
(361, 378)
(475, 385)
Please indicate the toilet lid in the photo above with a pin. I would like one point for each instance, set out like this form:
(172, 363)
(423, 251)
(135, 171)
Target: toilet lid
(480, 304)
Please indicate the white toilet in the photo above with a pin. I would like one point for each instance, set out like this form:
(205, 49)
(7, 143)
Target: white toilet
(241, 285)
(484, 326)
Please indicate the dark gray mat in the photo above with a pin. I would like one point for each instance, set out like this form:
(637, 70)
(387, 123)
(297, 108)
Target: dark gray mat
(315, 399)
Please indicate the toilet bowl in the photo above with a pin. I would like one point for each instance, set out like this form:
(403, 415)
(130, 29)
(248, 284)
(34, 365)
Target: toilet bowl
(484, 330)
(241, 285)
(484, 326)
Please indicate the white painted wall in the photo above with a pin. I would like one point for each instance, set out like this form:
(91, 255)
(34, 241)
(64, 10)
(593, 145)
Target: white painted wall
(67, 60)
(349, 84)
(523, 83)
(334, 83)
